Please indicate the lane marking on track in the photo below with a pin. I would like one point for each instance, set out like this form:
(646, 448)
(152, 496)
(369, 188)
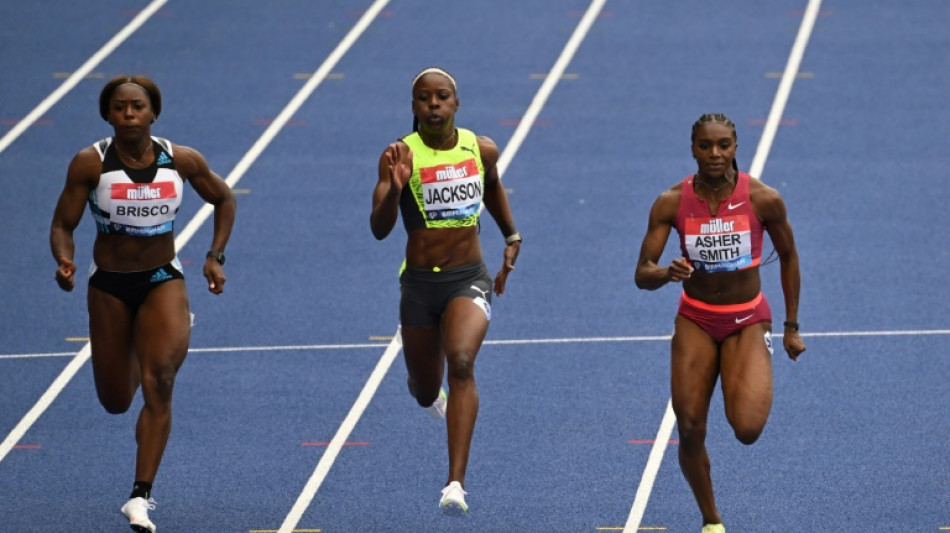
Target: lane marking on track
(541, 76)
(784, 88)
(275, 531)
(336, 443)
(547, 87)
(269, 121)
(308, 75)
(75, 78)
(497, 342)
(90, 76)
(14, 121)
(783, 122)
(758, 164)
(339, 439)
(642, 528)
(800, 75)
(352, 443)
(515, 122)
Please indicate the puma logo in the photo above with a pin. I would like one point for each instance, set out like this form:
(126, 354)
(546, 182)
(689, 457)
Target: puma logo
(483, 293)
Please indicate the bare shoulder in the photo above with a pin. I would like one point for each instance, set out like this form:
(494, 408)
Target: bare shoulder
(488, 149)
(767, 201)
(667, 203)
(185, 152)
(86, 156)
(188, 161)
(671, 195)
(85, 166)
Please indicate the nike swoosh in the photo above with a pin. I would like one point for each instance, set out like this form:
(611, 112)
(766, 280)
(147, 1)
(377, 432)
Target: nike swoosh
(731, 207)
(743, 319)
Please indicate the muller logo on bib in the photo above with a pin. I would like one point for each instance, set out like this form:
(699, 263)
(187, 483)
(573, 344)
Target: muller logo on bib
(147, 191)
(449, 172)
(716, 225)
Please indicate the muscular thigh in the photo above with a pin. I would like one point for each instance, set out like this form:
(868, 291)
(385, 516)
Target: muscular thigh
(421, 347)
(464, 326)
(746, 368)
(694, 368)
(163, 325)
(110, 336)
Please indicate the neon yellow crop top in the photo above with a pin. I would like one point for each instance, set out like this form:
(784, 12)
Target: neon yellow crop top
(446, 186)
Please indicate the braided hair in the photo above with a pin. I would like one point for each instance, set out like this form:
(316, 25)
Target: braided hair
(716, 118)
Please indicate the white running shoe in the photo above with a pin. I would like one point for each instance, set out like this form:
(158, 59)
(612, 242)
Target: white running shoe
(453, 500)
(437, 409)
(714, 528)
(136, 510)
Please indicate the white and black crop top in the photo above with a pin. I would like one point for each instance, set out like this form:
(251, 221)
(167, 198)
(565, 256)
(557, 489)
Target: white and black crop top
(138, 202)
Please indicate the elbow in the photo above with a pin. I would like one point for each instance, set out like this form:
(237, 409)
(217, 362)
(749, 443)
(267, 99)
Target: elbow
(640, 281)
(380, 232)
(645, 282)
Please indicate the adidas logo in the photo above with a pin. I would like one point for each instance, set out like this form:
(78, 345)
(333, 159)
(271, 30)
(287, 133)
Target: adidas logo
(160, 275)
(163, 159)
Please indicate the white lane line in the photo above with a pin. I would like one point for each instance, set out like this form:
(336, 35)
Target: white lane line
(497, 342)
(758, 164)
(369, 389)
(547, 87)
(784, 88)
(342, 433)
(78, 76)
(651, 469)
(206, 210)
(45, 401)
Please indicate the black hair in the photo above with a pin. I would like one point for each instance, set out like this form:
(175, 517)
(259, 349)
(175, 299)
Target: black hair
(154, 95)
(717, 118)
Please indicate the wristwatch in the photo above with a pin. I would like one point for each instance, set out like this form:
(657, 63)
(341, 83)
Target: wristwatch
(513, 238)
(219, 256)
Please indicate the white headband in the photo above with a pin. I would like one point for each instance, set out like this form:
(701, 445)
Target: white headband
(435, 70)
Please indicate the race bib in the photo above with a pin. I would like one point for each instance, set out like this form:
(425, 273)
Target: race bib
(451, 191)
(143, 208)
(719, 244)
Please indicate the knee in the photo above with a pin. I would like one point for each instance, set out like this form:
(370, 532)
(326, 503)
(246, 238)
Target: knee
(747, 435)
(115, 401)
(426, 399)
(461, 367)
(747, 425)
(115, 406)
(692, 431)
(157, 385)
